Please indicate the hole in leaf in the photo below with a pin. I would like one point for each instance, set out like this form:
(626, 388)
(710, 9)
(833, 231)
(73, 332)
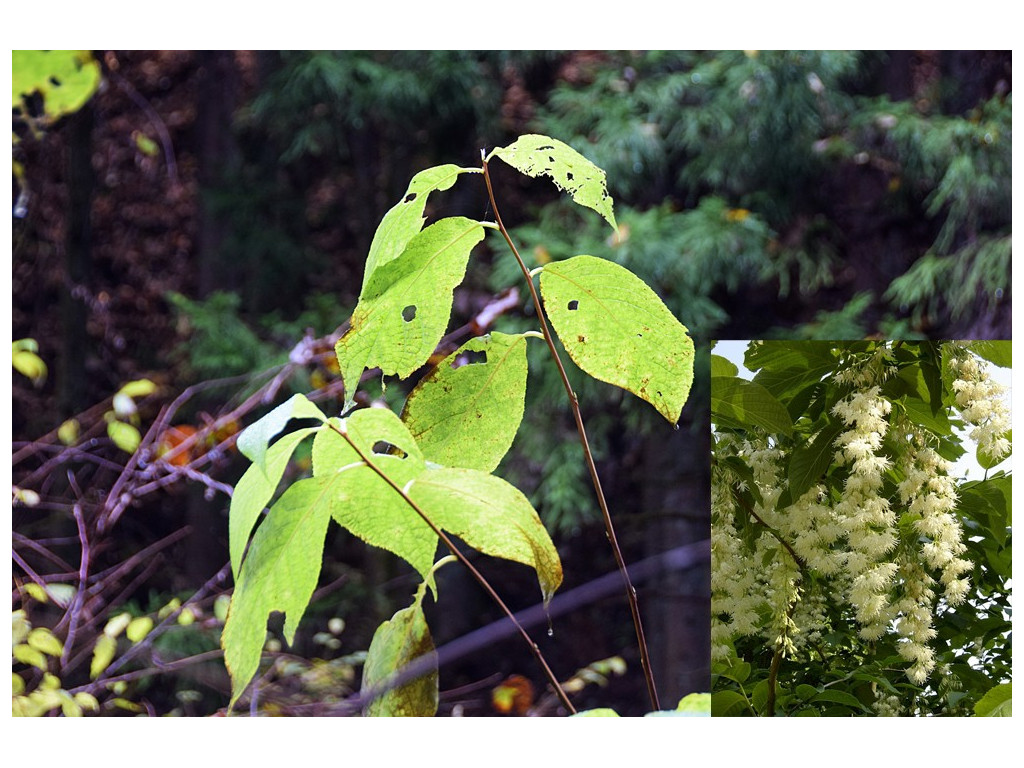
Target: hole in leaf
(568, 176)
(384, 448)
(54, 81)
(639, 335)
(410, 197)
(409, 313)
(469, 358)
(573, 304)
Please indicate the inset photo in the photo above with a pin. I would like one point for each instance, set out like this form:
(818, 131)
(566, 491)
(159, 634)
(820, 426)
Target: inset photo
(861, 528)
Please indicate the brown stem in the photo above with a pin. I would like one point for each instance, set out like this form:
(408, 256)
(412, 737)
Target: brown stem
(465, 561)
(634, 608)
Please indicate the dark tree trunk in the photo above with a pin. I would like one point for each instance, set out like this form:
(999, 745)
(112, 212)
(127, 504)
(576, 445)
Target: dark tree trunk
(217, 155)
(72, 390)
(676, 609)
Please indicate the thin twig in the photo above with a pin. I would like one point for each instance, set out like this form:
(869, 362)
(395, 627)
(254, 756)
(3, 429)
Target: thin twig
(74, 612)
(634, 608)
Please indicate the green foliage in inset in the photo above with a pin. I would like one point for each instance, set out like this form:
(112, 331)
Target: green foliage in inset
(997, 702)
(854, 570)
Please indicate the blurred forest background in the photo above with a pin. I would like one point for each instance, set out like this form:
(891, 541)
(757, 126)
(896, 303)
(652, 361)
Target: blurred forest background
(204, 213)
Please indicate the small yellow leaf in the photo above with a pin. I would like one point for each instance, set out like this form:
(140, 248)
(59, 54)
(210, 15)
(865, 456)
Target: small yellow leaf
(87, 701)
(68, 432)
(69, 706)
(36, 592)
(26, 654)
(168, 609)
(125, 436)
(139, 628)
(186, 617)
(45, 641)
(138, 388)
(102, 655)
(117, 625)
(17, 684)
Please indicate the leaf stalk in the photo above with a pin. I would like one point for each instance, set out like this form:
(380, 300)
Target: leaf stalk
(634, 608)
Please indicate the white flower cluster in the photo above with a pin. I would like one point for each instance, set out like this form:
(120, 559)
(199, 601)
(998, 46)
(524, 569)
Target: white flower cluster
(929, 495)
(889, 555)
(863, 511)
(887, 706)
(981, 404)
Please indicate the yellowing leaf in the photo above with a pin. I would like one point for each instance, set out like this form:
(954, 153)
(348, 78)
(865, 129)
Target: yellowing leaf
(491, 516)
(363, 503)
(475, 396)
(279, 574)
(117, 624)
(617, 330)
(405, 219)
(64, 79)
(404, 309)
(537, 155)
(397, 642)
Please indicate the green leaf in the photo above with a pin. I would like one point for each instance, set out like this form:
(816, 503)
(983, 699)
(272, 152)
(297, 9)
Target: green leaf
(723, 366)
(809, 462)
(360, 500)
(537, 155)
(253, 441)
(405, 219)
(617, 330)
(998, 353)
(397, 642)
(806, 692)
(997, 702)
(491, 516)
(404, 309)
(784, 367)
(839, 697)
(743, 404)
(279, 574)
(479, 403)
(64, 79)
(254, 490)
(985, 461)
(599, 712)
(727, 703)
